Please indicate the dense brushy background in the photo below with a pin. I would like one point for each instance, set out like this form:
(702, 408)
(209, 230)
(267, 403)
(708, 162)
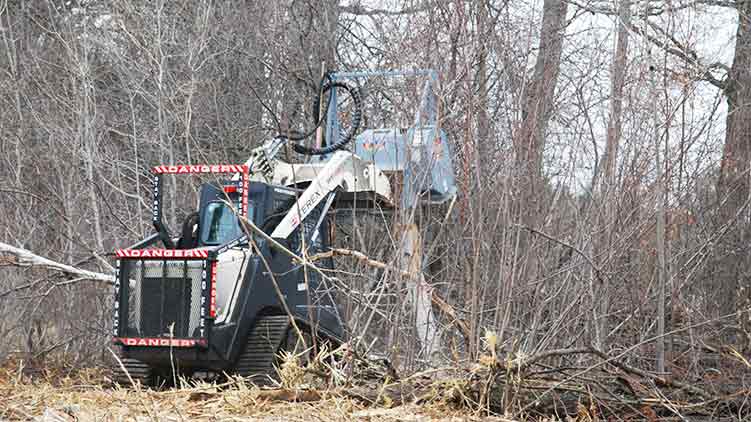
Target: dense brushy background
(603, 184)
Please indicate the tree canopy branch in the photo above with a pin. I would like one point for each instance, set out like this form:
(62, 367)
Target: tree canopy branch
(682, 52)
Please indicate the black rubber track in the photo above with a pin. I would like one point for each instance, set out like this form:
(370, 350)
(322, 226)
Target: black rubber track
(138, 371)
(267, 337)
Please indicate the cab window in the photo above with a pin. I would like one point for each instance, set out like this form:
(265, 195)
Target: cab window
(220, 224)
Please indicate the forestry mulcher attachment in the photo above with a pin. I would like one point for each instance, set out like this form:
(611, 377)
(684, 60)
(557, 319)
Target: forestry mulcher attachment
(221, 298)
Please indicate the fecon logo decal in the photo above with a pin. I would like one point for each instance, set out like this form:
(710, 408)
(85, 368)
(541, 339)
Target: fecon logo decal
(159, 342)
(162, 253)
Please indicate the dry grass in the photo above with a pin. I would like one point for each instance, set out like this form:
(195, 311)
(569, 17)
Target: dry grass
(85, 396)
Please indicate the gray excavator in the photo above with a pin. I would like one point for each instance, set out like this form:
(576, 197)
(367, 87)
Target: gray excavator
(224, 297)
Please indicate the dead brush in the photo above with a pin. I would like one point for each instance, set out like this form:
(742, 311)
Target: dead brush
(450, 392)
(329, 365)
(291, 372)
(301, 370)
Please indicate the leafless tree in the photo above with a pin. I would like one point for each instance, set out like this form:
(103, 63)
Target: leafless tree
(602, 200)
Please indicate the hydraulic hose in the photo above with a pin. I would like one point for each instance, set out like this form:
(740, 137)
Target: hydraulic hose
(327, 85)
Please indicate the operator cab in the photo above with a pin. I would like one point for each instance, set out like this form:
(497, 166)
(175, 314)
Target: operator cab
(219, 204)
(217, 220)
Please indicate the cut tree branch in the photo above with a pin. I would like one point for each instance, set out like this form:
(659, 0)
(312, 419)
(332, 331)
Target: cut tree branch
(25, 258)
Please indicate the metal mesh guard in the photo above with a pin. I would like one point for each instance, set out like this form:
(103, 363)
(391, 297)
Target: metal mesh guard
(162, 293)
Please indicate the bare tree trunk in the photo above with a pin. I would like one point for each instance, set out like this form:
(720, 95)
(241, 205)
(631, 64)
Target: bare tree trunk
(661, 187)
(736, 155)
(660, 249)
(483, 124)
(604, 179)
(618, 78)
(420, 292)
(477, 131)
(330, 16)
(733, 187)
(529, 143)
(537, 105)
(87, 136)
(8, 36)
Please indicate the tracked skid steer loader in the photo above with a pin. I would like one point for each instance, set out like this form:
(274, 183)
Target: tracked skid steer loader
(220, 297)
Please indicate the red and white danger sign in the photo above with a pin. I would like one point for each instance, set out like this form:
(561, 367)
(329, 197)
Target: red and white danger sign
(163, 253)
(200, 168)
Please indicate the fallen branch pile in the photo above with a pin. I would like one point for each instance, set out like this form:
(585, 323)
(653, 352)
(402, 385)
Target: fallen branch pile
(555, 383)
(551, 384)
